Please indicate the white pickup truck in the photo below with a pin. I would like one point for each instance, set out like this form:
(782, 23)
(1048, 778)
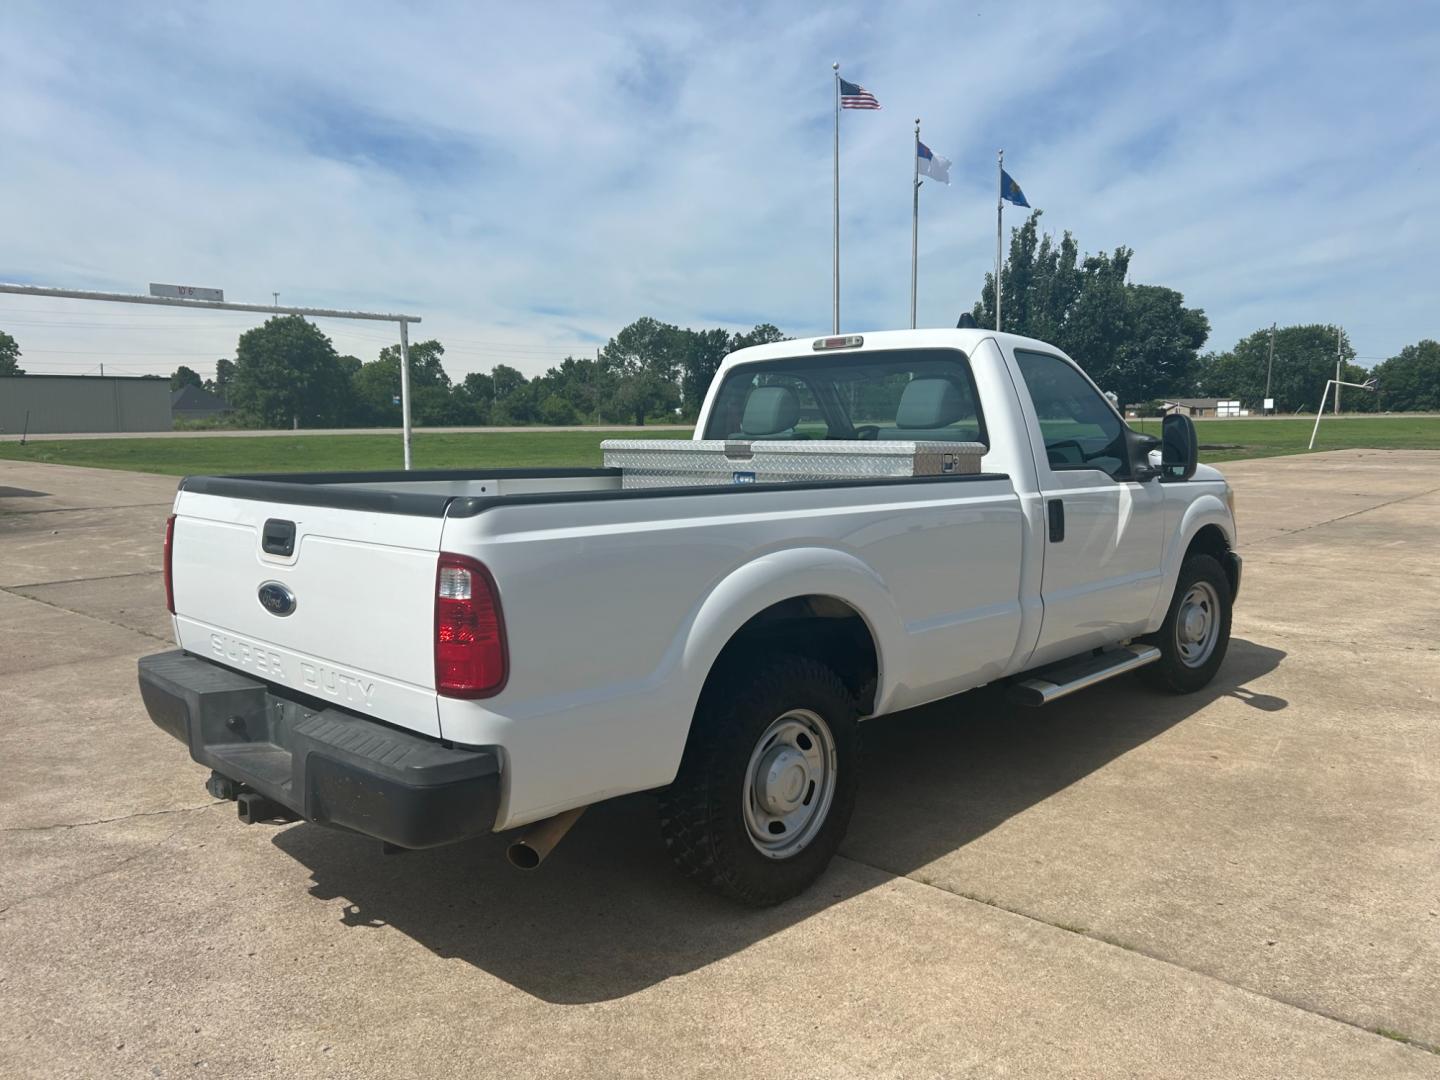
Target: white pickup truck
(424, 657)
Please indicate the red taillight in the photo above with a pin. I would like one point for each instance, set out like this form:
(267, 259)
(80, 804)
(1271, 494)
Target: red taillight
(169, 559)
(470, 657)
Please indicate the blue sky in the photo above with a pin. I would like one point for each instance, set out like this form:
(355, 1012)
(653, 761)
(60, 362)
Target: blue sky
(530, 178)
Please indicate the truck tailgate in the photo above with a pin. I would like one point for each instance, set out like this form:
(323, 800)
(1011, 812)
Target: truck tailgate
(360, 586)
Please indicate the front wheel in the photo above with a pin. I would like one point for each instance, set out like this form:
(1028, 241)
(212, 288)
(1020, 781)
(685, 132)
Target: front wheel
(768, 781)
(1196, 632)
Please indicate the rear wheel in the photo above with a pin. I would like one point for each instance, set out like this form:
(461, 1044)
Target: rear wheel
(768, 782)
(1196, 632)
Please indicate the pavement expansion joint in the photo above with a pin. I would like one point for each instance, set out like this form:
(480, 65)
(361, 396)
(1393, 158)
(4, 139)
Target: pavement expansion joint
(1286, 533)
(1104, 939)
(79, 580)
(61, 825)
(147, 850)
(12, 589)
(84, 509)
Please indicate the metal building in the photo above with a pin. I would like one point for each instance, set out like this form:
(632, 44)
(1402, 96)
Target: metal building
(83, 403)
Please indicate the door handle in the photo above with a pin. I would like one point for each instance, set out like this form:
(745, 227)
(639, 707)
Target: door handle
(1055, 510)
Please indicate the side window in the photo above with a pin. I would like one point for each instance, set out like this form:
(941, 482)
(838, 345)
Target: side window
(1080, 429)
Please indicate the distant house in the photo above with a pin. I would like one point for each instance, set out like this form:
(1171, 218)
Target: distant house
(193, 403)
(1201, 406)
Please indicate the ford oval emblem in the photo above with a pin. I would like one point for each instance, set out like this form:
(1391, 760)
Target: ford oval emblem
(276, 598)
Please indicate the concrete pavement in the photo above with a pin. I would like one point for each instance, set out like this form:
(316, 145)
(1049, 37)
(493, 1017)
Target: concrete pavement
(1243, 882)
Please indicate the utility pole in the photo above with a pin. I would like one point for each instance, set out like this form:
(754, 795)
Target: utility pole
(1270, 366)
(276, 295)
(1337, 371)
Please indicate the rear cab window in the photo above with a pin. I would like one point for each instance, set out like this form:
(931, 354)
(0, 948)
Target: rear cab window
(910, 395)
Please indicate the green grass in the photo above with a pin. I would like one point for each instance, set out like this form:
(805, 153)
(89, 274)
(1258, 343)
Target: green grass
(304, 453)
(1269, 438)
(316, 453)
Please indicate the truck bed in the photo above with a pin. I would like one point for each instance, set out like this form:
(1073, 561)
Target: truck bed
(611, 596)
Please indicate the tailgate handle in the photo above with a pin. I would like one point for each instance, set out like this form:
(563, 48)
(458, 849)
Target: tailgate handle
(278, 537)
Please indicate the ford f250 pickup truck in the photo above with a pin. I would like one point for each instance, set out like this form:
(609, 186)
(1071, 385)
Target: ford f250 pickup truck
(424, 657)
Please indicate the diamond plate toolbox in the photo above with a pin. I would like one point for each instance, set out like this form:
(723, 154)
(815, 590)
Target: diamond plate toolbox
(651, 463)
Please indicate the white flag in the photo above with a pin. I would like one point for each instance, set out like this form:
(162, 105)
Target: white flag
(933, 165)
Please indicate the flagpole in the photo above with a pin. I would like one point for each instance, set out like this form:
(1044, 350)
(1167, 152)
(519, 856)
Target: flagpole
(999, 225)
(835, 284)
(915, 226)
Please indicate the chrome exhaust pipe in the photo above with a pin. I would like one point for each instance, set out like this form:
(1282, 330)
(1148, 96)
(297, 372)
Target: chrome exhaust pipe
(530, 850)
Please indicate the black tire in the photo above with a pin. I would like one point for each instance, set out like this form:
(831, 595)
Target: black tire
(703, 815)
(1173, 671)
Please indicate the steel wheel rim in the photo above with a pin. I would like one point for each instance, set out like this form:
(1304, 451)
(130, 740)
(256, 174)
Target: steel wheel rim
(1197, 624)
(789, 783)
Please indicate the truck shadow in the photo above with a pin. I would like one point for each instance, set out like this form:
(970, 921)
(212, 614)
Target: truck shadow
(606, 916)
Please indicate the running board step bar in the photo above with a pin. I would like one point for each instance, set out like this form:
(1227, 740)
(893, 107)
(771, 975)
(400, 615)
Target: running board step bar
(1063, 679)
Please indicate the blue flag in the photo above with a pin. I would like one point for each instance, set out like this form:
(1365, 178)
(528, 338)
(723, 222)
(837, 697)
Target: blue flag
(1011, 190)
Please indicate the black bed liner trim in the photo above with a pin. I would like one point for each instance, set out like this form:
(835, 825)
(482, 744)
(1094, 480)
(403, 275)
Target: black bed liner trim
(331, 490)
(469, 506)
(300, 489)
(376, 476)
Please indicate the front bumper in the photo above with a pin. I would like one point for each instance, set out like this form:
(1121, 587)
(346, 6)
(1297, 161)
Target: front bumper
(328, 766)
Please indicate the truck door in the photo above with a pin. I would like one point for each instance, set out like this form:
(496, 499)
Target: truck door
(1104, 532)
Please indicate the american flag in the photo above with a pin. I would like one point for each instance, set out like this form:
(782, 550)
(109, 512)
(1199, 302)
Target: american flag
(855, 96)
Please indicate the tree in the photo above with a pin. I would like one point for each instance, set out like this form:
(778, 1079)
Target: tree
(476, 396)
(224, 374)
(557, 410)
(763, 334)
(1304, 360)
(286, 371)
(514, 401)
(1410, 381)
(576, 382)
(1139, 341)
(9, 356)
(377, 386)
(700, 354)
(643, 359)
(184, 376)
(1162, 345)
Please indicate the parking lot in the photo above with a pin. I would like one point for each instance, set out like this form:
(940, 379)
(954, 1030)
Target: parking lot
(1244, 882)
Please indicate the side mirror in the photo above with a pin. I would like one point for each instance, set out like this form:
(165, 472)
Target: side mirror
(1141, 471)
(1179, 448)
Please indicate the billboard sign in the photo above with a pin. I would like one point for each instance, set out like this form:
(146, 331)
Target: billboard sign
(187, 292)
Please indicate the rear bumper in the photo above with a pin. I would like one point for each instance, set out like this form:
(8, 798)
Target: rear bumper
(326, 765)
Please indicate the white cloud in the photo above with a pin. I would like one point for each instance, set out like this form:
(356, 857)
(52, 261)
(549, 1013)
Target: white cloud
(530, 179)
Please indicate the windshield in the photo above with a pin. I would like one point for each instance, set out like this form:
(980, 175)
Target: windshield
(904, 394)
